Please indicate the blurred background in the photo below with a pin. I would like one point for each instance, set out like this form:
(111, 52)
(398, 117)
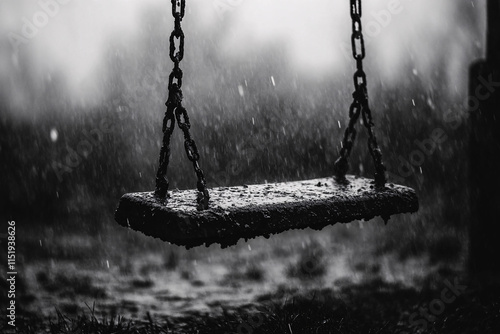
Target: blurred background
(267, 85)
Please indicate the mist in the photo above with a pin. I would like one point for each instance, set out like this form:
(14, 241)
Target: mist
(267, 85)
(58, 55)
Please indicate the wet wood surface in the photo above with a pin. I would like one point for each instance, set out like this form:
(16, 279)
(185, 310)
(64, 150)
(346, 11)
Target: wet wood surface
(261, 210)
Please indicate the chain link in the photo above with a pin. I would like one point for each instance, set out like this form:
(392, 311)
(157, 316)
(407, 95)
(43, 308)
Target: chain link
(359, 106)
(176, 112)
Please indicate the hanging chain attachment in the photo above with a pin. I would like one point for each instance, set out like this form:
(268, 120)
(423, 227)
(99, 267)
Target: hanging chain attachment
(359, 106)
(177, 112)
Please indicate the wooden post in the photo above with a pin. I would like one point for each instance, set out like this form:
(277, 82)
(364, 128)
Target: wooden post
(484, 104)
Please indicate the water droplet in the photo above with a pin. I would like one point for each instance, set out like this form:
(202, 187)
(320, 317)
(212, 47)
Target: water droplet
(54, 135)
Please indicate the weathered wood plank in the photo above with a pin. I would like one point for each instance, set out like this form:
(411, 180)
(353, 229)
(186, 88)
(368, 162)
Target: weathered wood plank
(261, 210)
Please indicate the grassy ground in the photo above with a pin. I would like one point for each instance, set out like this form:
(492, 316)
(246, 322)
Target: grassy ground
(364, 277)
(371, 307)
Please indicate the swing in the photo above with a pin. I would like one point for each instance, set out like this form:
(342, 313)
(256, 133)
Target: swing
(229, 214)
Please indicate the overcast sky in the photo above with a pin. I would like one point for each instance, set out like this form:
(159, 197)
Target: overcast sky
(69, 38)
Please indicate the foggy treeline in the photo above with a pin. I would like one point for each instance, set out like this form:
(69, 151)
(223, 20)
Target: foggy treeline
(266, 88)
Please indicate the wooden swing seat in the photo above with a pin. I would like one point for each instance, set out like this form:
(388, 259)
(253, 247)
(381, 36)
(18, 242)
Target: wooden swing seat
(246, 212)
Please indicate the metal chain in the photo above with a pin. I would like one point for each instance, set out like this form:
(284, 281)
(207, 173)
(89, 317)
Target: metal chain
(175, 111)
(359, 106)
